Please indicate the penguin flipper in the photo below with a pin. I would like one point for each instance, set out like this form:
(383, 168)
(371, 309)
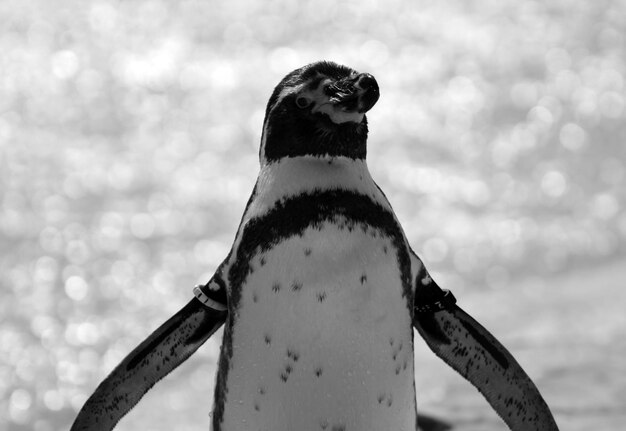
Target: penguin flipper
(164, 350)
(479, 357)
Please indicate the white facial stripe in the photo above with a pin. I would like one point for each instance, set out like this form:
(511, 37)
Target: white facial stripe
(337, 115)
(287, 91)
(315, 96)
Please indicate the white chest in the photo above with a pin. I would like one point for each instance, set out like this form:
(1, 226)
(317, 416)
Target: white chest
(322, 338)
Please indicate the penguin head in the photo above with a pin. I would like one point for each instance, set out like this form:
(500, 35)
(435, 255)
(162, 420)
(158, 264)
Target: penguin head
(319, 110)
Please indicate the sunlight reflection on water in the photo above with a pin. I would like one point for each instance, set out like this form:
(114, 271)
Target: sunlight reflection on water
(128, 149)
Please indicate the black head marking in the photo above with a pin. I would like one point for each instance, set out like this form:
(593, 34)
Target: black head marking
(319, 110)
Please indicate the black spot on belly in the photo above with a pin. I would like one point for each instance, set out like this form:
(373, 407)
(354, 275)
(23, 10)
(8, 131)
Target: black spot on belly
(296, 286)
(386, 398)
(268, 339)
(292, 354)
(290, 218)
(363, 278)
(307, 251)
(339, 427)
(276, 287)
(321, 296)
(318, 371)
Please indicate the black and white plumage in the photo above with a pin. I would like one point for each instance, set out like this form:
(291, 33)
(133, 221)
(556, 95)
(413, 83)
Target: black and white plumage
(320, 292)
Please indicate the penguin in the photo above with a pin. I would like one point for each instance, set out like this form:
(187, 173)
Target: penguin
(320, 293)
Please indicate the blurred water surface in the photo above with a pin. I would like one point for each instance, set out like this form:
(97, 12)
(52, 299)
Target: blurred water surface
(128, 149)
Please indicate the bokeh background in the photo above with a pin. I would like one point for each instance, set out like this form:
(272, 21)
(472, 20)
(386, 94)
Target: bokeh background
(128, 149)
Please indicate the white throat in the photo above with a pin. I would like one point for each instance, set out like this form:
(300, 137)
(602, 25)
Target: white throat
(306, 174)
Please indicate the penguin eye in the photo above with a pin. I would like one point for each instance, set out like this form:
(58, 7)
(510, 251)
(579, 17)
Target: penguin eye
(302, 102)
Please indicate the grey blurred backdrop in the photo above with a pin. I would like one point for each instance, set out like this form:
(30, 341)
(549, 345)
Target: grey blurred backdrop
(128, 147)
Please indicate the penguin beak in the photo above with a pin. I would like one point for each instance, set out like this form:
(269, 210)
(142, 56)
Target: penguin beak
(343, 101)
(357, 93)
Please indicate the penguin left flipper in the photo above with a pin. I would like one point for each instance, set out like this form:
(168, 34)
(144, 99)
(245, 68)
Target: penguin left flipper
(479, 357)
(159, 354)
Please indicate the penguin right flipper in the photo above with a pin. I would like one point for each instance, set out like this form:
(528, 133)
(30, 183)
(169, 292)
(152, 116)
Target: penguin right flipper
(479, 357)
(159, 354)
